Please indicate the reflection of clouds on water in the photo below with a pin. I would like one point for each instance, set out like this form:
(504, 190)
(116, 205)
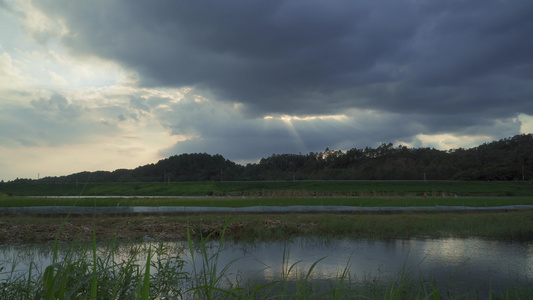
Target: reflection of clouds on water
(466, 262)
(273, 260)
(452, 252)
(530, 261)
(493, 262)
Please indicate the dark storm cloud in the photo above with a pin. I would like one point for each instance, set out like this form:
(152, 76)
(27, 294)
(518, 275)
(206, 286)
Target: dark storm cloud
(310, 57)
(314, 57)
(396, 69)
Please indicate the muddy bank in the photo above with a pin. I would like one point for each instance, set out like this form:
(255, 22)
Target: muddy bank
(81, 229)
(17, 230)
(508, 225)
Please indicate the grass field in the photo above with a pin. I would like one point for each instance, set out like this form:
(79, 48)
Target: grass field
(282, 193)
(271, 188)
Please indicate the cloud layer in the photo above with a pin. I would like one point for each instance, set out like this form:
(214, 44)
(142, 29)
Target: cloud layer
(250, 78)
(316, 57)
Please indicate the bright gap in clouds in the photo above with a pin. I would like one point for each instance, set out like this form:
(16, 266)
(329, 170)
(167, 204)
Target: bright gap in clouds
(448, 141)
(306, 118)
(527, 123)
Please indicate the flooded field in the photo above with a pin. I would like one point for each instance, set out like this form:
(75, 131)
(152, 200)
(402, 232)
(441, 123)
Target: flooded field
(454, 266)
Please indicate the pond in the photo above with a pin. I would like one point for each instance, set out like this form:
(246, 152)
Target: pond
(459, 265)
(464, 263)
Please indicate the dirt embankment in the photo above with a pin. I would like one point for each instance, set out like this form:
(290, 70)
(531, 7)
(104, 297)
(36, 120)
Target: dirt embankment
(13, 230)
(16, 230)
(508, 225)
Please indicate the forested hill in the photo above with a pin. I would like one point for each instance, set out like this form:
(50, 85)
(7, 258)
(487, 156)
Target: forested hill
(507, 159)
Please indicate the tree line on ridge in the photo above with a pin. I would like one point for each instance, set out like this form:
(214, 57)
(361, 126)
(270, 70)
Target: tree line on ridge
(507, 159)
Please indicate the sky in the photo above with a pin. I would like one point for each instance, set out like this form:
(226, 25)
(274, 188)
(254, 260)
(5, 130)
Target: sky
(109, 84)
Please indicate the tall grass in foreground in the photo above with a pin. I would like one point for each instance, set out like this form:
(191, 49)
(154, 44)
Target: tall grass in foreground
(156, 271)
(114, 274)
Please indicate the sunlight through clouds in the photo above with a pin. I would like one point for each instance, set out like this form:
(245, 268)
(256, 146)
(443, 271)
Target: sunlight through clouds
(131, 82)
(306, 118)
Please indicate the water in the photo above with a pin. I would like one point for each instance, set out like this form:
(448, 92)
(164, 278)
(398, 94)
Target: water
(459, 264)
(453, 264)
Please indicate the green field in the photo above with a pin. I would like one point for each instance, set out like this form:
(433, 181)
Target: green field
(274, 188)
(274, 193)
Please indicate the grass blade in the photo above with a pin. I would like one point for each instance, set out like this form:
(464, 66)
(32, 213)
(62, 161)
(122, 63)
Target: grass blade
(312, 267)
(145, 292)
(94, 280)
